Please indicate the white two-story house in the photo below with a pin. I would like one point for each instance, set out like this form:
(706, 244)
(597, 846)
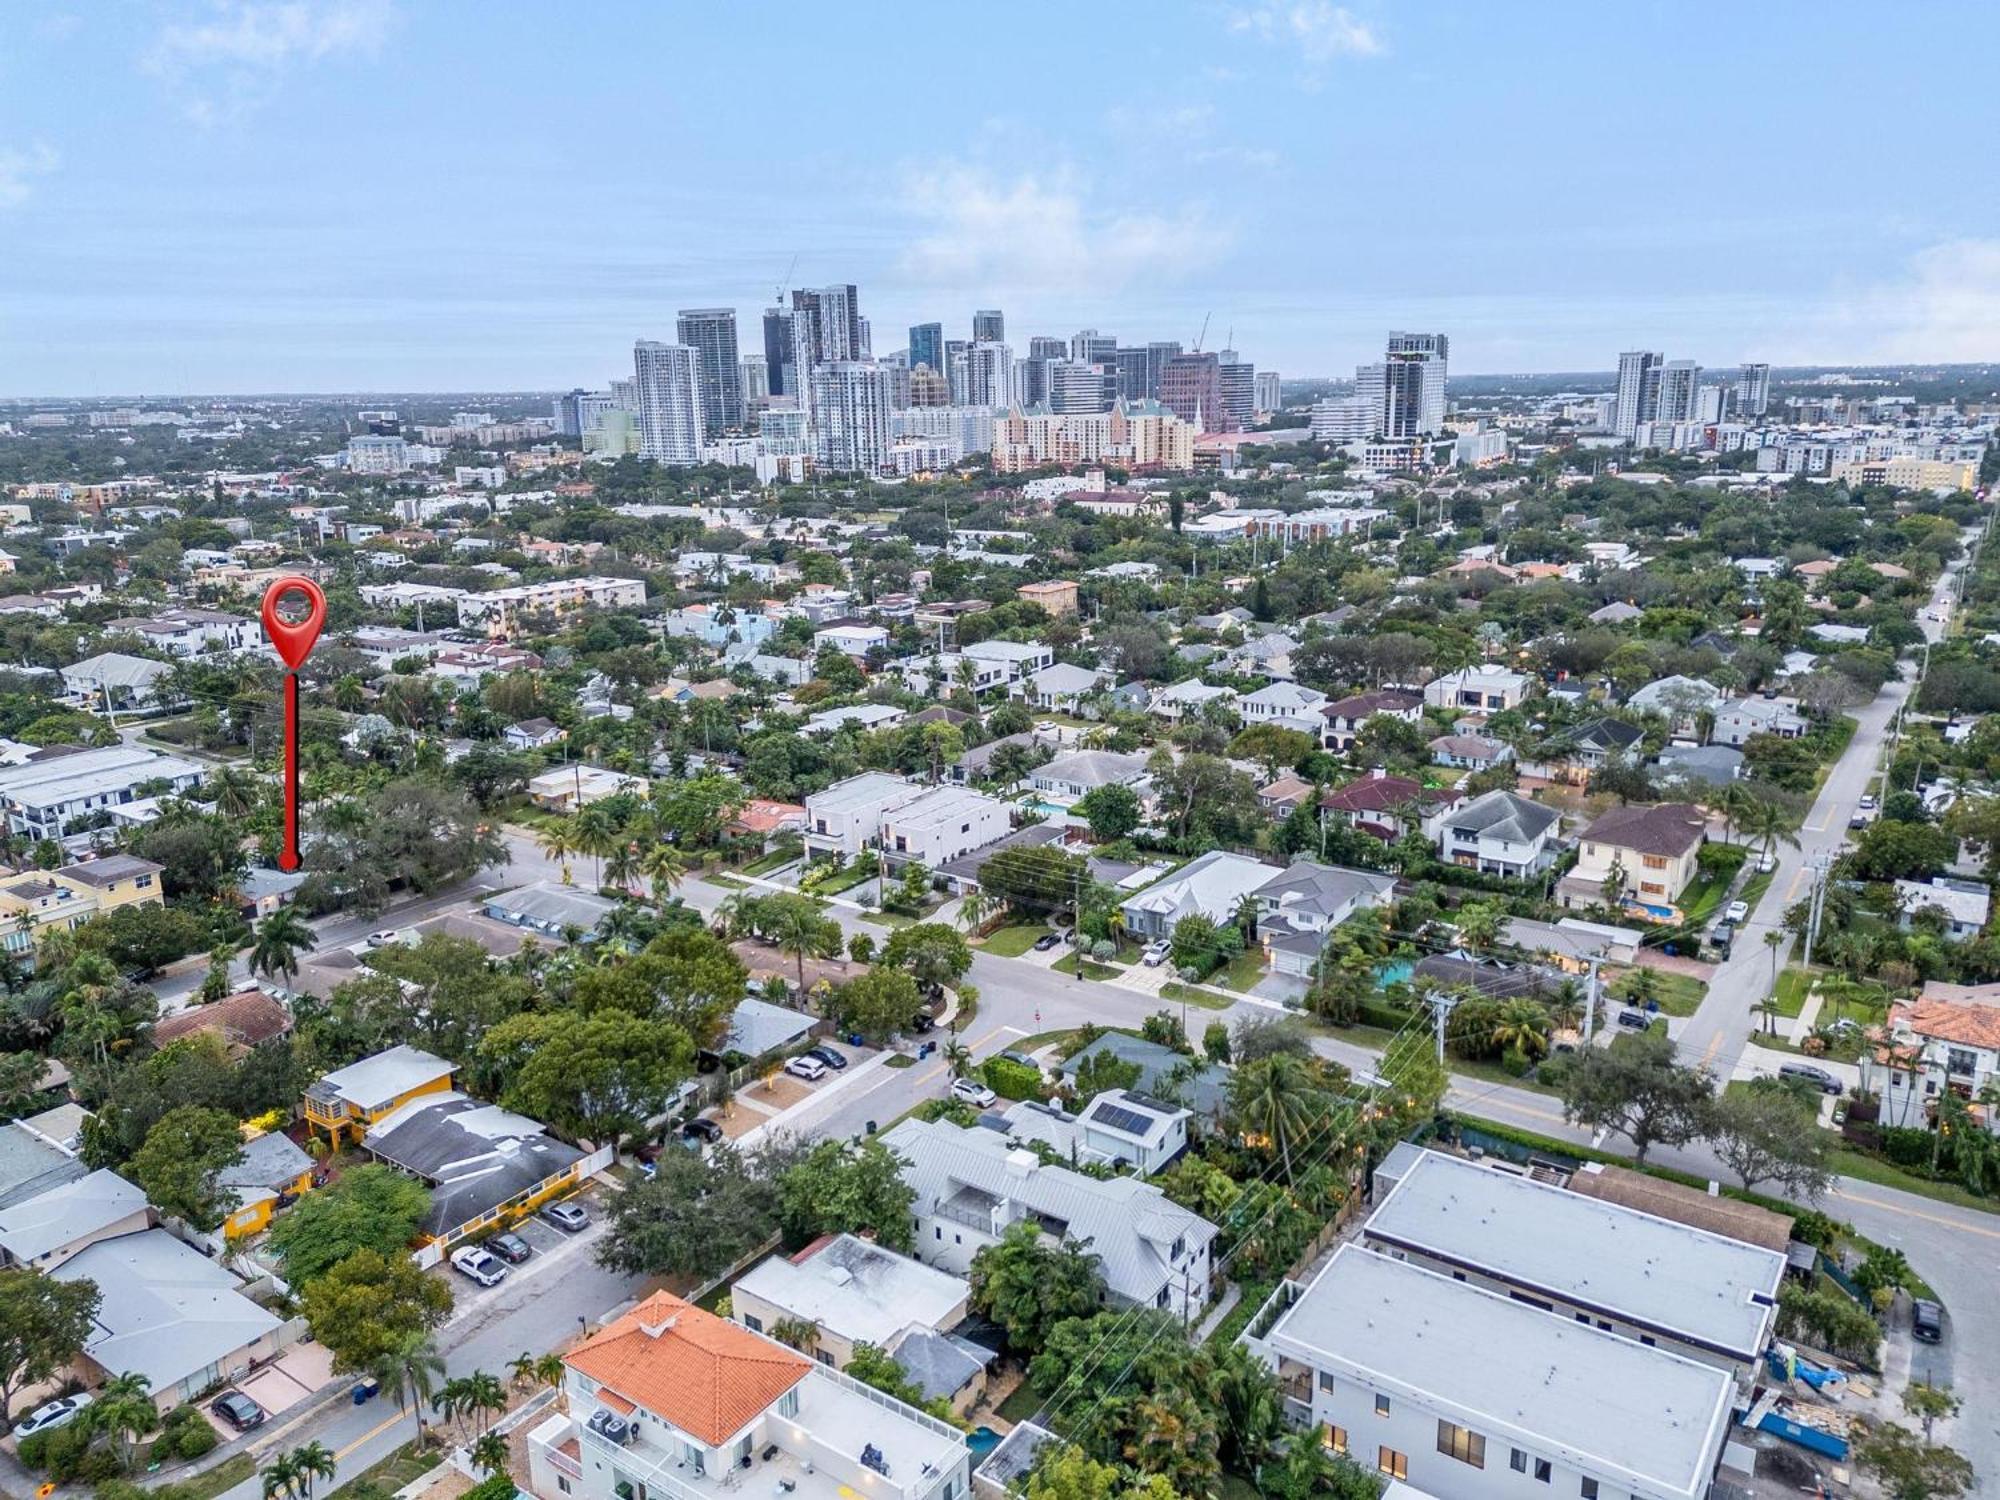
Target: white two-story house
(1947, 1038)
(1500, 833)
(669, 1402)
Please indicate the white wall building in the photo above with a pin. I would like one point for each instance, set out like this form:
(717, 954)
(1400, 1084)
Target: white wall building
(667, 381)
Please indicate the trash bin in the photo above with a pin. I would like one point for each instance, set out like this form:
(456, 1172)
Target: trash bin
(871, 1127)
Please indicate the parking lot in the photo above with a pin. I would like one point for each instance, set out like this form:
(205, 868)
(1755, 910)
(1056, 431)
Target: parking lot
(548, 1244)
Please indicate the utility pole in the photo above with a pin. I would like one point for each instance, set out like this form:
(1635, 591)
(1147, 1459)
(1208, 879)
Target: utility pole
(1816, 906)
(1441, 1005)
(1590, 1002)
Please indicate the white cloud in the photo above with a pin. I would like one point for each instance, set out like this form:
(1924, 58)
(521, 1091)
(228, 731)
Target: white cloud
(1947, 306)
(1318, 30)
(1046, 234)
(229, 57)
(20, 166)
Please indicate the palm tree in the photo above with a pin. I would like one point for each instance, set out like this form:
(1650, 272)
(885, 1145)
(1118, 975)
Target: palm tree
(1735, 803)
(596, 835)
(1274, 1098)
(549, 1369)
(1771, 825)
(621, 865)
(488, 1453)
(411, 1368)
(974, 907)
(485, 1397)
(664, 869)
(125, 1409)
(311, 1462)
(1479, 925)
(1522, 1025)
(277, 942)
(236, 792)
(557, 840)
(280, 1477)
(957, 1058)
(522, 1369)
(792, 924)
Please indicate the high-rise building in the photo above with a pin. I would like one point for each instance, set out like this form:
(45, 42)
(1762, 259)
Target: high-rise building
(590, 409)
(667, 378)
(778, 351)
(832, 318)
(1078, 388)
(753, 373)
(569, 421)
(1132, 367)
(850, 415)
(988, 325)
(989, 374)
(1269, 397)
(1093, 348)
(1711, 403)
(864, 338)
(1413, 380)
(1191, 388)
(1239, 391)
(711, 333)
(927, 345)
(1032, 380)
(1157, 354)
(625, 395)
(1043, 347)
(1638, 390)
(929, 387)
(1679, 381)
(1753, 391)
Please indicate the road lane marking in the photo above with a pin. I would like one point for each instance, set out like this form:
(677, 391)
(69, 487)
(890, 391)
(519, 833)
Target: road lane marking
(371, 1434)
(1916, 1213)
(1792, 892)
(972, 1046)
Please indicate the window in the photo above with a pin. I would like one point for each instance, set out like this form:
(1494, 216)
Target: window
(1518, 1461)
(1381, 1406)
(562, 1484)
(1542, 1470)
(1588, 1489)
(1326, 1380)
(824, 1356)
(788, 1404)
(1392, 1463)
(1461, 1443)
(1335, 1439)
(752, 1322)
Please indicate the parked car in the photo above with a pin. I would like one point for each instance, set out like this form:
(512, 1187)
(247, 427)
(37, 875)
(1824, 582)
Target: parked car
(473, 1261)
(701, 1129)
(1023, 1059)
(568, 1217)
(1634, 1020)
(832, 1056)
(1859, 820)
(972, 1091)
(923, 1022)
(806, 1066)
(1722, 935)
(510, 1248)
(1868, 802)
(1736, 911)
(1155, 954)
(51, 1415)
(384, 938)
(1766, 864)
(1047, 941)
(1926, 1322)
(1819, 1078)
(238, 1410)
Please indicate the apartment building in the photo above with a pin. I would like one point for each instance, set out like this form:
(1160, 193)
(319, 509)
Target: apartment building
(941, 823)
(846, 818)
(508, 612)
(1946, 1038)
(44, 798)
(1469, 1394)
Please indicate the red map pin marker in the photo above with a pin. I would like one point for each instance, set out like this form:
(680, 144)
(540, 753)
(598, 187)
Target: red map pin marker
(294, 642)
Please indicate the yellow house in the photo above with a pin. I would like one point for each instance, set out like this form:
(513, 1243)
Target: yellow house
(273, 1171)
(349, 1100)
(36, 902)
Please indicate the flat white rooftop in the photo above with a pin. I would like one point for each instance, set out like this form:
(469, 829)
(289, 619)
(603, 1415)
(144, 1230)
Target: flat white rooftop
(1650, 1420)
(1700, 1288)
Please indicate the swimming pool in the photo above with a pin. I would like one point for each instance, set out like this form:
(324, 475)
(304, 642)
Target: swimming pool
(982, 1440)
(1396, 972)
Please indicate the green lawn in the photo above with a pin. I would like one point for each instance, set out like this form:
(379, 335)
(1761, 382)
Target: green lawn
(887, 918)
(1175, 991)
(1012, 942)
(1793, 985)
(1070, 962)
(1703, 898)
(1243, 972)
(846, 880)
(1022, 1403)
(727, 882)
(226, 1475)
(776, 860)
(1851, 1163)
(1678, 994)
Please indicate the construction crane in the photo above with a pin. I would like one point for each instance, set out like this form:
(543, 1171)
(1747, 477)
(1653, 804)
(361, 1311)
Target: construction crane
(1200, 337)
(778, 297)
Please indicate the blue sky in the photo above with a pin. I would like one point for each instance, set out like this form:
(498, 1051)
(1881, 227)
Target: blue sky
(320, 195)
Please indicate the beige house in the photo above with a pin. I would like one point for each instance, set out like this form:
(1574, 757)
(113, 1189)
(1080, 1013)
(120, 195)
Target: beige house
(1655, 851)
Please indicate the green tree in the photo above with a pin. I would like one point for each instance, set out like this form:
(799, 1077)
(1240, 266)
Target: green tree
(1640, 1090)
(411, 1367)
(277, 942)
(594, 1078)
(1027, 1284)
(932, 953)
(1768, 1135)
(368, 1208)
(1929, 1404)
(181, 1164)
(1063, 1471)
(837, 1187)
(1112, 810)
(1101, 1071)
(125, 1411)
(1910, 1469)
(1278, 1100)
(877, 1004)
(361, 1308)
(698, 1216)
(43, 1323)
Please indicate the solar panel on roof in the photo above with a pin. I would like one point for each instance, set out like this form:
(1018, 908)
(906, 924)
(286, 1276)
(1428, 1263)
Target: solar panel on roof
(1117, 1117)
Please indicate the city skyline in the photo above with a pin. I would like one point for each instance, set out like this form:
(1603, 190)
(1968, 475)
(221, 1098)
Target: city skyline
(301, 197)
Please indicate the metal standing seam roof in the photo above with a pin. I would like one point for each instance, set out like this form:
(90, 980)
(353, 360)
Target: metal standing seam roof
(1130, 1225)
(1646, 1419)
(1700, 1288)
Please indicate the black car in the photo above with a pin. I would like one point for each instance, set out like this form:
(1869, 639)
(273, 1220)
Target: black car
(1926, 1321)
(1634, 1020)
(924, 1022)
(510, 1248)
(238, 1410)
(1047, 941)
(701, 1129)
(833, 1057)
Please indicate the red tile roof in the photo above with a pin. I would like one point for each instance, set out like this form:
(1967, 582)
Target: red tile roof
(247, 1018)
(702, 1374)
